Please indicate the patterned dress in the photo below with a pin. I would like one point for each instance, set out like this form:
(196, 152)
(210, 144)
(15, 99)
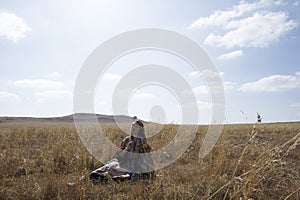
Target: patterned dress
(131, 162)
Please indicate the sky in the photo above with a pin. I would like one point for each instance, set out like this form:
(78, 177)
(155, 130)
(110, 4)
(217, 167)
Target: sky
(254, 45)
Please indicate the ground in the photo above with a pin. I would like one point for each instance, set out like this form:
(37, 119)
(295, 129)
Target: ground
(40, 160)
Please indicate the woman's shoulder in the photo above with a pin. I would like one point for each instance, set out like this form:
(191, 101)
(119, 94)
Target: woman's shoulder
(127, 138)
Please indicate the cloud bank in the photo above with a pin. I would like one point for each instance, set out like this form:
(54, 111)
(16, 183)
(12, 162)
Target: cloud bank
(274, 83)
(246, 25)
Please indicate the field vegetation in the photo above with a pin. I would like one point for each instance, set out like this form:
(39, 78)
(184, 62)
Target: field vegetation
(251, 161)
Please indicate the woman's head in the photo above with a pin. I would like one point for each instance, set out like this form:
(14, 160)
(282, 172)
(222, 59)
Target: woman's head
(137, 129)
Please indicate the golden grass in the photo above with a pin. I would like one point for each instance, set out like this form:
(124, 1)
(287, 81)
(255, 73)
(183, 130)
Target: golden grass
(48, 161)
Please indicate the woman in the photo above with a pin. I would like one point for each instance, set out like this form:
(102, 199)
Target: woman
(127, 164)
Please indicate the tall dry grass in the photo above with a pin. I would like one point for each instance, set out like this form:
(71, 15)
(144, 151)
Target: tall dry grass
(48, 161)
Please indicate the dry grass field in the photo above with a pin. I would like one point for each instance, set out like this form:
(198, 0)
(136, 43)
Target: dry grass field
(48, 161)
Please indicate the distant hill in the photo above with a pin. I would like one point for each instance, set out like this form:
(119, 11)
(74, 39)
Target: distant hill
(81, 117)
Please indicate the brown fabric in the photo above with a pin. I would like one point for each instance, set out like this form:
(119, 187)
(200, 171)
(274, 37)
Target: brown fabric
(135, 144)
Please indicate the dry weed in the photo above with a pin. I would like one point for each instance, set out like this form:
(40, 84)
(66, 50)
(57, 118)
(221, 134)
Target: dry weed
(48, 161)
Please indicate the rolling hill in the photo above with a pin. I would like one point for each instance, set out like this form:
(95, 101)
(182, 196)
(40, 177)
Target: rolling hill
(81, 117)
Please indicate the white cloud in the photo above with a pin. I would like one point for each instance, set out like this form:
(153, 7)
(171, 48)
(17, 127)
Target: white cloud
(259, 30)
(275, 83)
(228, 85)
(279, 2)
(102, 103)
(247, 25)
(221, 18)
(111, 77)
(37, 84)
(52, 94)
(207, 74)
(296, 3)
(12, 27)
(204, 105)
(231, 55)
(8, 96)
(55, 75)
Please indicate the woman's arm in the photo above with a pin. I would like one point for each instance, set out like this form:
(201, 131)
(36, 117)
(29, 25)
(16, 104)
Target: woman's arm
(124, 143)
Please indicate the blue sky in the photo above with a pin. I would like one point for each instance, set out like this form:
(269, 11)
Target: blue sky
(255, 46)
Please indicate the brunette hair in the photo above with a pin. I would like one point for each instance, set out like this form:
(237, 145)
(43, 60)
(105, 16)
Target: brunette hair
(141, 132)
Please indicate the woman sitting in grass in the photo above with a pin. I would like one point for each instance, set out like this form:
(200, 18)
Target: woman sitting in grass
(128, 164)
